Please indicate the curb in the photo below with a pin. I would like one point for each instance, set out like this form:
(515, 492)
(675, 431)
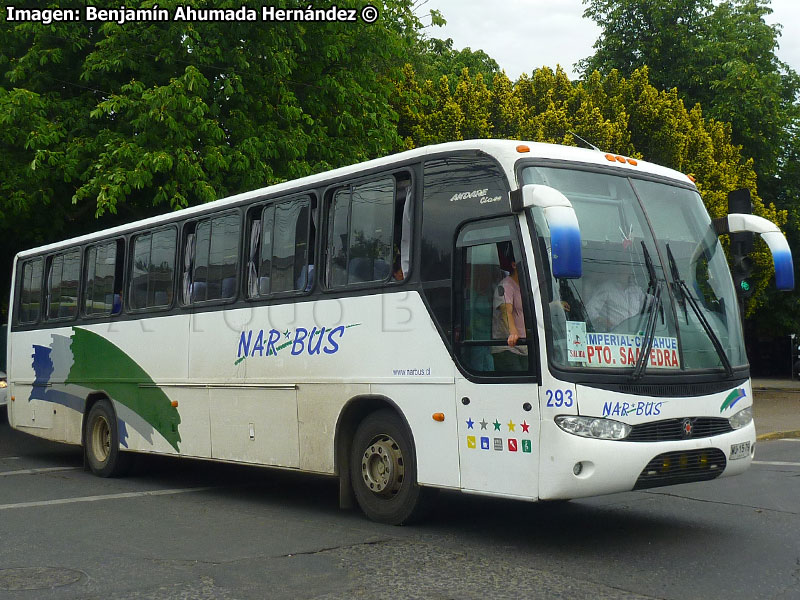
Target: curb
(778, 435)
(773, 388)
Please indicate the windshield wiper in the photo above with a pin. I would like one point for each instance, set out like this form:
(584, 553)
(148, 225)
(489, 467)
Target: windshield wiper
(677, 281)
(650, 331)
(651, 270)
(686, 297)
(654, 287)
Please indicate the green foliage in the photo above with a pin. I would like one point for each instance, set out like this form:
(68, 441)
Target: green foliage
(437, 57)
(718, 54)
(167, 114)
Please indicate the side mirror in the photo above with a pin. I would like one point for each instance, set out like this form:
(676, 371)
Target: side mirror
(565, 234)
(772, 235)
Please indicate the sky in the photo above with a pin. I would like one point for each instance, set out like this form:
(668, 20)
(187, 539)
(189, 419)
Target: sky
(523, 35)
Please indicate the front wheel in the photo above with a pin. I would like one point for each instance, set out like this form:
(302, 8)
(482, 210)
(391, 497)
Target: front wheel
(383, 471)
(102, 442)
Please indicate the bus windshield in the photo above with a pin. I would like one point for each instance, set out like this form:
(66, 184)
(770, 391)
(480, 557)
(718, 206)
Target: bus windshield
(656, 294)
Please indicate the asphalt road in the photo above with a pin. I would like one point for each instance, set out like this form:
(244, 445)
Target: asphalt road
(179, 529)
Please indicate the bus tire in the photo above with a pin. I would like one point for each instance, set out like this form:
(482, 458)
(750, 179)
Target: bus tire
(102, 442)
(383, 471)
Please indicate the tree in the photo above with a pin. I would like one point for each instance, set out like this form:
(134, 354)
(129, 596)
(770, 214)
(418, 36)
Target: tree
(721, 55)
(664, 36)
(437, 57)
(474, 100)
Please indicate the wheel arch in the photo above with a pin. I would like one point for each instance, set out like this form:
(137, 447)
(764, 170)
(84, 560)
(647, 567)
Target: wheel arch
(356, 410)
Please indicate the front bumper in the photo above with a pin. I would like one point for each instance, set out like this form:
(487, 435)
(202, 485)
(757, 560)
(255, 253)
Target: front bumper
(608, 466)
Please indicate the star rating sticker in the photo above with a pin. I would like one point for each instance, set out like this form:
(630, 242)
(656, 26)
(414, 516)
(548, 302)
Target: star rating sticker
(483, 423)
(511, 425)
(525, 427)
(470, 423)
(496, 425)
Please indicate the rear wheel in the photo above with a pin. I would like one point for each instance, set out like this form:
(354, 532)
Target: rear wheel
(102, 442)
(383, 471)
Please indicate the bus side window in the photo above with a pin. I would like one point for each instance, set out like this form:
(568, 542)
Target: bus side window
(369, 232)
(370, 239)
(290, 245)
(211, 255)
(280, 248)
(480, 277)
(102, 281)
(62, 285)
(153, 269)
(31, 291)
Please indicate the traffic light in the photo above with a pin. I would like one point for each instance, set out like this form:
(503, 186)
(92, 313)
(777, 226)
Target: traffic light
(741, 245)
(742, 272)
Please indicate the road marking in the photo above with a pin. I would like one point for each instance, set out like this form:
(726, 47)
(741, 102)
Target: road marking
(10, 458)
(790, 439)
(106, 497)
(35, 471)
(776, 463)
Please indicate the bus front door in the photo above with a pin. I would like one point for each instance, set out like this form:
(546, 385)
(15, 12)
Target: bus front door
(498, 438)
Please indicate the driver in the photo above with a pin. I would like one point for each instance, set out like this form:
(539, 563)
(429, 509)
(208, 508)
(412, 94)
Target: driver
(612, 303)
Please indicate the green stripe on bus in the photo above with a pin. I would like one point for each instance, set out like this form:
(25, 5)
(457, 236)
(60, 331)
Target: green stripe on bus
(97, 358)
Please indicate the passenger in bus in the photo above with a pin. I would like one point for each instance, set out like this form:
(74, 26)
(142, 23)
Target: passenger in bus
(509, 322)
(613, 302)
(306, 279)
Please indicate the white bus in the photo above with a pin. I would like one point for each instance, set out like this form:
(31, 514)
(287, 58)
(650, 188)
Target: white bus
(519, 320)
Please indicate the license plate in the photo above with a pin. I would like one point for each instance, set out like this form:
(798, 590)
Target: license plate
(740, 450)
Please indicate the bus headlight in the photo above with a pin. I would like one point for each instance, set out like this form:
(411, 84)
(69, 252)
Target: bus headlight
(593, 427)
(741, 418)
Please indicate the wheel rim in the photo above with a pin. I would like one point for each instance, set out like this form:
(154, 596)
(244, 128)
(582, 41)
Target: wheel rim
(382, 466)
(101, 439)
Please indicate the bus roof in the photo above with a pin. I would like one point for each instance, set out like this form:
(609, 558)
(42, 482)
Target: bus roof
(505, 151)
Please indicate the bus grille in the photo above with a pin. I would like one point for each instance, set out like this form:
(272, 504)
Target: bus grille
(682, 467)
(675, 429)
